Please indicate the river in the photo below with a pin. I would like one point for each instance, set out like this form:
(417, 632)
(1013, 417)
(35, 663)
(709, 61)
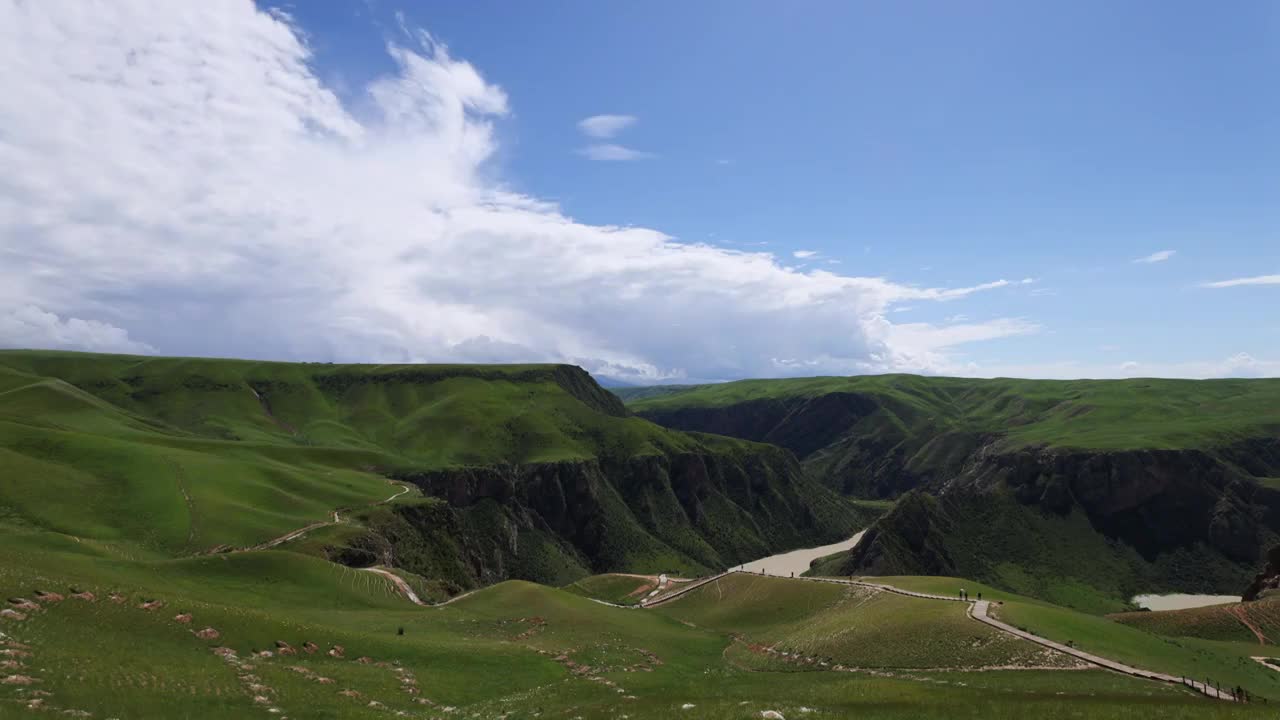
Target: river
(797, 561)
(1182, 601)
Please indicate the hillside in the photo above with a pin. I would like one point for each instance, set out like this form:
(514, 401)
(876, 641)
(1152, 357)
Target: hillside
(278, 635)
(1249, 622)
(530, 472)
(1136, 485)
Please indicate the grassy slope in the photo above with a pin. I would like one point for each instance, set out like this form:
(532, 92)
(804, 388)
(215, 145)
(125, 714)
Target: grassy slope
(852, 626)
(617, 589)
(1227, 663)
(1215, 622)
(174, 456)
(511, 648)
(1091, 414)
(435, 415)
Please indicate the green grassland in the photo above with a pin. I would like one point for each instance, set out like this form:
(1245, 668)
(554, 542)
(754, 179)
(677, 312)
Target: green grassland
(1149, 645)
(613, 588)
(436, 415)
(1089, 414)
(512, 650)
(844, 625)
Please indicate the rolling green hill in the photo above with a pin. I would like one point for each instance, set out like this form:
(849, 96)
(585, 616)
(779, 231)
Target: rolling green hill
(142, 501)
(530, 471)
(1080, 491)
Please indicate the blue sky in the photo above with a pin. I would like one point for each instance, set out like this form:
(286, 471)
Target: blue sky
(926, 145)
(928, 142)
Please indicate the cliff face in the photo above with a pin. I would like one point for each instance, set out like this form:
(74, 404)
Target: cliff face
(1266, 581)
(982, 496)
(855, 443)
(801, 425)
(690, 512)
(1121, 523)
(1151, 500)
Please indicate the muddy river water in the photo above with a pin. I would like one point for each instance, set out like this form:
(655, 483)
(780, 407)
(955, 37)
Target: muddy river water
(797, 561)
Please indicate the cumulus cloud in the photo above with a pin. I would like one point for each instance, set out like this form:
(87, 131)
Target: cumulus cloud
(605, 126)
(1237, 282)
(31, 327)
(178, 179)
(1156, 257)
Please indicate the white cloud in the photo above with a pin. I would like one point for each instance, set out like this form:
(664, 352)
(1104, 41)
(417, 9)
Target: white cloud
(30, 327)
(1157, 257)
(1237, 282)
(805, 254)
(605, 126)
(610, 151)
(178, 173)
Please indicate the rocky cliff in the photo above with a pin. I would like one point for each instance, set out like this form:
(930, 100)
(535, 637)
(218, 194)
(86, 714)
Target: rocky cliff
(1118, 487)
(687, 513)
(1267, 581)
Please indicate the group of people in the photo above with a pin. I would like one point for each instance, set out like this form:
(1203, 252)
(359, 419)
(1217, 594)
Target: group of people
(964, 594)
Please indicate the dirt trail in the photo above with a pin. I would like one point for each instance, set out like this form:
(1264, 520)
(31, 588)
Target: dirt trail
(399, 582)
(191, 508)
(1239, 613)
(291, 535)
(299, 532)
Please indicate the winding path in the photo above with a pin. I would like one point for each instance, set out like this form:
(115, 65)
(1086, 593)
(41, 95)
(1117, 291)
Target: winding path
(399, 582)
(978, 610)
(299, 532)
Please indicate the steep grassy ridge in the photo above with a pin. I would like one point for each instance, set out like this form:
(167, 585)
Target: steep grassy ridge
(531, 471)
(1078, 491)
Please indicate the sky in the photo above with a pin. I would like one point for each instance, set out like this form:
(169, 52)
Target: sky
(658, 192)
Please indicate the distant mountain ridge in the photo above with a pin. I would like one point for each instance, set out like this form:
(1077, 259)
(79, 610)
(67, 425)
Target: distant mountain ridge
(1137, 472)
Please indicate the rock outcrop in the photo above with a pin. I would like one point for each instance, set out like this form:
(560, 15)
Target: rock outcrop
(1268, 579)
